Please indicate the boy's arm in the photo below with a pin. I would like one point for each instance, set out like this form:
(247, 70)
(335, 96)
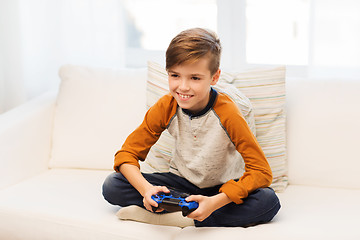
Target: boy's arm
(133, 175)
(139, 142)
(258, 173)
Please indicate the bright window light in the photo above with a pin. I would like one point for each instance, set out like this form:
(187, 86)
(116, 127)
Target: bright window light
(337, 33)
(152, 24)
(277, 31)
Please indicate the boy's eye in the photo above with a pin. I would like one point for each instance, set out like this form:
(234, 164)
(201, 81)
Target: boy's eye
(195, 78)
(174, 75)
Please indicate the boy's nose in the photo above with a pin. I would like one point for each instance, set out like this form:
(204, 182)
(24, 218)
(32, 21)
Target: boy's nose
(184, 85)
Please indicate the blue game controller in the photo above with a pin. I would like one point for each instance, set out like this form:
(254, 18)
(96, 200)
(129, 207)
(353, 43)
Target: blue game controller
(174, 202)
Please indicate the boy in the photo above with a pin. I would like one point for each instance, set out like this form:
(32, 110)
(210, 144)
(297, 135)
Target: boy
(209, 131)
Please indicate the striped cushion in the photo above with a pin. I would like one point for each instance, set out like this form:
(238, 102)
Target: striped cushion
(266, 90)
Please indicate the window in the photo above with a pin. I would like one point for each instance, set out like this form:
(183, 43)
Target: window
(336, 33)
(152, 24)
(277, 31)
(314, 38)
(155, 23)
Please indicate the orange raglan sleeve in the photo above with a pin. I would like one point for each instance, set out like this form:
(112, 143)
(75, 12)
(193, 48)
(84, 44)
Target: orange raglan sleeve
(258, 173)
(139, 142)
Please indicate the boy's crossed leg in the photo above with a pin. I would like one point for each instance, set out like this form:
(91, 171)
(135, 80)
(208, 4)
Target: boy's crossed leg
(259, 207)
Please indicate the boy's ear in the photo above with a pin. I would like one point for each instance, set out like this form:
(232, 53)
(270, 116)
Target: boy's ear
(215, 77)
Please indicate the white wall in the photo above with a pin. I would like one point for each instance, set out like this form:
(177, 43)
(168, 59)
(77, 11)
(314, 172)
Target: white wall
(11, 79)
(38, 36)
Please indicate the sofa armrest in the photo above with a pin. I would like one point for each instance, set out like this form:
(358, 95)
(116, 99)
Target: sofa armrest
(25, 139)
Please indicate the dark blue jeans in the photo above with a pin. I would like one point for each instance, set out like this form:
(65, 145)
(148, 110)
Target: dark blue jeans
(259, 207)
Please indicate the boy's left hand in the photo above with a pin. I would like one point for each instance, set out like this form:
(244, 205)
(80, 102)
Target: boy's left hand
(207, 205)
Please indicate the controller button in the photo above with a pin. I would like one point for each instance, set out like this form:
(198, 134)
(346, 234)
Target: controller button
(185, 211)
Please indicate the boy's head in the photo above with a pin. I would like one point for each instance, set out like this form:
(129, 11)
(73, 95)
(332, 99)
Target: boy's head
(193, 44)
(192, 63)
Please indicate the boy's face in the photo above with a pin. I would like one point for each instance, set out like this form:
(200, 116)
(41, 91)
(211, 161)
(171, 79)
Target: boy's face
(190, 84)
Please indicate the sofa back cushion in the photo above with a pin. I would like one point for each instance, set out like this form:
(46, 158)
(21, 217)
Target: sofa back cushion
(323, 132)
(96, 110)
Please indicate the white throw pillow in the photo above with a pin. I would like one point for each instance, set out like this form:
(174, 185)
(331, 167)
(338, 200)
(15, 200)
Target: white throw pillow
(96, 109)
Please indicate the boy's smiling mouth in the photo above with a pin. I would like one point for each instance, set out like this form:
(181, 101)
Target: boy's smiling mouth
(184, 96)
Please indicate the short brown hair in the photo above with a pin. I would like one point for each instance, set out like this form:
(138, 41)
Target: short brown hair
(191, 45)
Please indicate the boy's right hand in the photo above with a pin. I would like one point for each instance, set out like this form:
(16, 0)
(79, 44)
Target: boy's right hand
(148, 201)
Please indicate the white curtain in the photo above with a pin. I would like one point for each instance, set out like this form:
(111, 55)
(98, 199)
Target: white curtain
(38, 36)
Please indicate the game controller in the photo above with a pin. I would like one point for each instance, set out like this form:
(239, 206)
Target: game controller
(174, 202)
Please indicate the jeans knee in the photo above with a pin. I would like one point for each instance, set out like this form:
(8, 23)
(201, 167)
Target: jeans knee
(108, 187)
(271, 195)
(272, 202)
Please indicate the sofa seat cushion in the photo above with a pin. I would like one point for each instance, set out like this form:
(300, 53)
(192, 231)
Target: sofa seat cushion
(306, 213)
(68, 204)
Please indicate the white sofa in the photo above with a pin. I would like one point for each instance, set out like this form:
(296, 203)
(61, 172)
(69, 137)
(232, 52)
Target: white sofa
(46, 194)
